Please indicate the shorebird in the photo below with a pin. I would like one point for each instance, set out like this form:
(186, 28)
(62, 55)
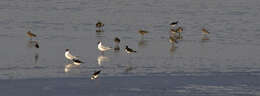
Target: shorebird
(69, 56)
(117, 40)
(204, 31)
(129, 50)
(173, 24)
(179, 30)
(172, 40)
(102, 48)
(30, 34)
(142, 32)
(99, 24)
(95, 75)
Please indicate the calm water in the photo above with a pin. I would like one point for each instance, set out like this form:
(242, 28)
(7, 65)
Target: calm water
(232, 53)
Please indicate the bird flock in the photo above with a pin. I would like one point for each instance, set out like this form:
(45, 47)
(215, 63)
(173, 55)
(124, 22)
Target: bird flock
(175, 35)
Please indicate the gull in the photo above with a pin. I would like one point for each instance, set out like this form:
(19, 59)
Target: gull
(102, 48)
(95, 75)
(69, 56)
(30, 34)
(129, 50)
(173, 24)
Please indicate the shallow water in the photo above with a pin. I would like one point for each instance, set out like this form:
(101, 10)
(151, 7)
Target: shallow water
(233, 47)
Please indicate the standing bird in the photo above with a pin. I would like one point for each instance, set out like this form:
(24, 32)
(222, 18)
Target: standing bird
(69, 56)
(95, 75)
(129, 50)
(117, 41)
(179, 31)
(142, 32)
(31, 35)
(99, 24)
(102, 48)
(173, 24)
(204, 31)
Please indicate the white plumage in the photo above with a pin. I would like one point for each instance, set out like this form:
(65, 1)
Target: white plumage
(102, 48)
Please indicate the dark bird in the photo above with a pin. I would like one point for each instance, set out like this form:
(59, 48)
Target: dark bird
(99, 24)
(129, 50)
(95, 75)
(117, 40)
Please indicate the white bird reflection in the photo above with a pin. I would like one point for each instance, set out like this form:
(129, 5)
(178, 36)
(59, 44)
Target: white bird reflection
(68, 67)
(101, 59)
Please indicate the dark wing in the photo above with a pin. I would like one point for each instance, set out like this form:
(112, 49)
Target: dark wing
(77, 61)
(97, 72)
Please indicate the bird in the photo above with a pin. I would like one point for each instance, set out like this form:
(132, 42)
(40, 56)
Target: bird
(117, 40)
(204, 31)
(142, 32)
(102, 48)
(173, 24)
(69, 56)
(129, 50)
(179, 29)
(95, 75)
(30, 34)
(172, 40)
(99, 24)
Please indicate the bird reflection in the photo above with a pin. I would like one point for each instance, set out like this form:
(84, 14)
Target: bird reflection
(68, 67)
(142, 43)
(101, 59)
(99, 30)
(173, 48)
(33, 44)
(36, 57)
(129, 68)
